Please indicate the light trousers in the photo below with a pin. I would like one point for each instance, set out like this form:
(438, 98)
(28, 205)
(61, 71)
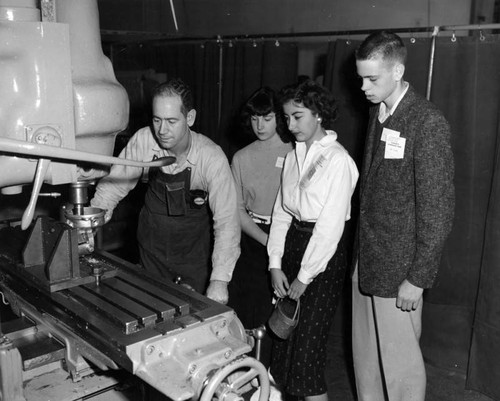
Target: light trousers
(388, 362)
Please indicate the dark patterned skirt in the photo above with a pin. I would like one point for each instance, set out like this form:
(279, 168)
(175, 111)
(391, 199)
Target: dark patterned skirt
(298, 363)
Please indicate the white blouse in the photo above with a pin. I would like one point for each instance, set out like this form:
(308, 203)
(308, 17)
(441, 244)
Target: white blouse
(315, 187)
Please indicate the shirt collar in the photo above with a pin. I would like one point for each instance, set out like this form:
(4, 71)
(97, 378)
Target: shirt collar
(193, 152)
(330, 137)
(383, 113)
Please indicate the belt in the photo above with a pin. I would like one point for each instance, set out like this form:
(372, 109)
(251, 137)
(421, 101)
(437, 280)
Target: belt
(307, 226)
(259, 218)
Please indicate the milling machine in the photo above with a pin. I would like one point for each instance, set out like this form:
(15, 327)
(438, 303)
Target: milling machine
(80, 310)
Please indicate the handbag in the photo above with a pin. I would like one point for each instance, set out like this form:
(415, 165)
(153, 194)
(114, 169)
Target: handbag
(284, 317)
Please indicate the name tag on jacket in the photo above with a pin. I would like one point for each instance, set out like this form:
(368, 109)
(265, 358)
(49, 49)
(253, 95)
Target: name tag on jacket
(394, 144)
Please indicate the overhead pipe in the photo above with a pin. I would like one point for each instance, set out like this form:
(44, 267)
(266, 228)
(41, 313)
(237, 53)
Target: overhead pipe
(161, 38)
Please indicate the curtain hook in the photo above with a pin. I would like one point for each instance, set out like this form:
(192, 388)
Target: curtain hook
(453, 37)
(277, 43)
(481, 36)
(254, 44)
(230, 44)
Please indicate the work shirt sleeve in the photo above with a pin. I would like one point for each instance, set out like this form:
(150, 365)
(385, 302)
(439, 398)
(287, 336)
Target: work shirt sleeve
(223, 204)
(121, 179)
(329, 227)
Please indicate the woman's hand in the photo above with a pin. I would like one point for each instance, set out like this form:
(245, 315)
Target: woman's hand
(279, 282)
(296, 289)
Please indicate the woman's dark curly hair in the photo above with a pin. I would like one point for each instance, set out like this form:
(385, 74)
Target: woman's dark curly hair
(262, 102)
(315, 97)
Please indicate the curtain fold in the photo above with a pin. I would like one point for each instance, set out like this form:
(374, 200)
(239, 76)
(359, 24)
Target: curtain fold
(466, 87)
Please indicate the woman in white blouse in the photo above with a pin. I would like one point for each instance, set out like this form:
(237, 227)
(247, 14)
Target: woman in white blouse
(306, 254)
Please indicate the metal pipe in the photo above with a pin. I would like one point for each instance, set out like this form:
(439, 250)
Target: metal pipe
(52, 152)
(219, 84)
(161, 38)
(431, 63)
(476, 27)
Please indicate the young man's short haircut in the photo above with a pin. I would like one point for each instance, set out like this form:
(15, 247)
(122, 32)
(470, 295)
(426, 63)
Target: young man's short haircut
(384, 44)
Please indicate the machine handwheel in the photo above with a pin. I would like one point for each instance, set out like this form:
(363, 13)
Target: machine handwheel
(230, 382)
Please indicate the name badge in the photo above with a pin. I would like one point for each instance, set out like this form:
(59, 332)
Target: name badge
(280, 161)
(317, 165)
(394, 147)
(386, 132)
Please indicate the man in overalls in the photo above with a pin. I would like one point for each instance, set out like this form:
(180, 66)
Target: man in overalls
(182, 200)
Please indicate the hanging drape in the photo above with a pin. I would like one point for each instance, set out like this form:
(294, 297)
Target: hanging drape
(222, 76)
(198, 65)
(484, 362)
(466, 87)
(246, 67)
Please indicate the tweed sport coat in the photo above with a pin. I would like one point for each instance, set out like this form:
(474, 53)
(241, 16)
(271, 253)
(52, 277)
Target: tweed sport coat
(406, 204)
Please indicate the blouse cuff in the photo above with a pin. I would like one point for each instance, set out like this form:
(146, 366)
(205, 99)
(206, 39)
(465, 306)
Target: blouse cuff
(304, 277)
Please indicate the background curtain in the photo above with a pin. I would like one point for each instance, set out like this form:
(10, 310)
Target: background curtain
(221, 75)
(197, 65)
(246, 67)
(463, 308)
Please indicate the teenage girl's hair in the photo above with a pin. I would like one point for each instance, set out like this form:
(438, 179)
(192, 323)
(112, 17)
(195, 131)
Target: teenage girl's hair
(313, 96)
(176, 87)
(262, 102)
(384, 44)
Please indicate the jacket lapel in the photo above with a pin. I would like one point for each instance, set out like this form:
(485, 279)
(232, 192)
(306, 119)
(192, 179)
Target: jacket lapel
(373, 160)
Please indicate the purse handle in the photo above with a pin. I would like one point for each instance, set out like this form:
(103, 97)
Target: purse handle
(297, 307)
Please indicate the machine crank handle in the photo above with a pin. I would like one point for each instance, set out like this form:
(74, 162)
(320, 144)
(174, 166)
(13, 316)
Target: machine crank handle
(54, 152)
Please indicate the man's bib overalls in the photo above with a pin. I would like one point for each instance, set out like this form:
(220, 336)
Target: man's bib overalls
(174, 229)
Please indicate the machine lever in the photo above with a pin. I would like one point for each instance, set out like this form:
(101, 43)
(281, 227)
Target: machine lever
(46, 153)
(53, 152)
(41, 169)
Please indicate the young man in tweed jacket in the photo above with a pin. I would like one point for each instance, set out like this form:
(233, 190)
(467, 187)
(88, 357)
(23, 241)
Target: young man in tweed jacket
(406, 214)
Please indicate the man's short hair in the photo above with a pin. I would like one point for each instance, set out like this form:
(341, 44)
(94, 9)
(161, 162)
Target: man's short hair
(384, 44)
(176, 87)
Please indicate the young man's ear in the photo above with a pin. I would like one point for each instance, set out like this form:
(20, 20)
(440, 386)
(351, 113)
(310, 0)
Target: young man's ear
(399, 70)
(191, 117)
